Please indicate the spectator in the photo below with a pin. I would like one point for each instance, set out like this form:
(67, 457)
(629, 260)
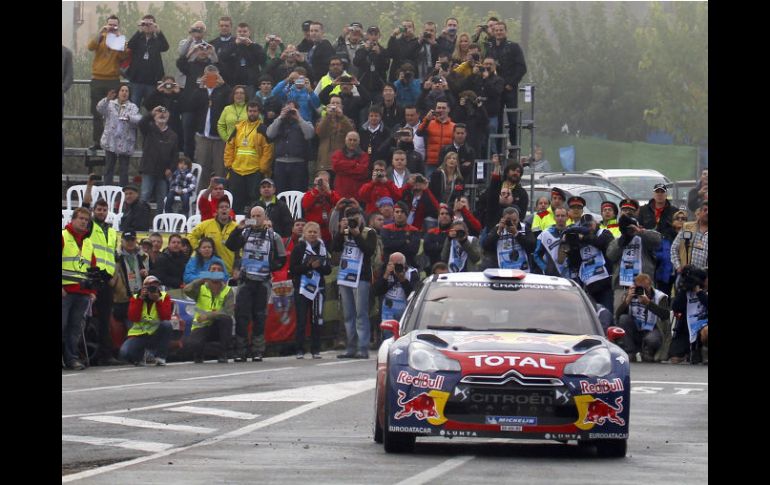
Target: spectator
(119, 136)
(318, 203)
(633, 252)
(159, 154)
(422, 206)
(459, 55)
(587, 245)
(320, 53)
(385, 209)
(697, 195)
(276, 209)
(629, 207)
(435, 89)
(412, 118)
(484, 33)
(550, 253)
(214, 310)
(412, 160)
(357, 244)
(171, 263)
(290, 59)
(392, 112)
(665, 275)
(447, 183)
(428, 52)
(296, 87)
(336, 71)
(146, 67)
(658, 214)
(292, 239)
(377, 220)
(219, 228)
(509, 246)
(76, 258)
(169, 95)
(691, 245)
(437, 129)
(449, 39)
(209, 199)
(609, 222)
(306, 43)
(271, 105)
(187, 248)
(543, 221)
(263, 252)
(488, 87)
(182, 183)
(244, 59)
(232, 114)
(332, 131)
(136, 212)
(156, 246)
(309, 265)
(463, 213)
(433, 243)
(472, 114)
(273, 48)
(247, 158)
(402, 47)
(352, 101)
(511, 67)
(644, 315)
(149, 311)
(222, 44)
(440, 268)
(398, 173)
(377, 188)
(291, 137)
(401, 237)
(541, 207)
(407, 86)
(397, 282)
(536, 163)
(105, 72)
(205, 255)
(208, 103)
(466, 154)
(351, 165)
(372, 61)
(348, 45)
(132, 267)
(374, 135)
(104, 240)
(461, 251)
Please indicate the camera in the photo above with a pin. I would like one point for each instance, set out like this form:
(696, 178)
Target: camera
(196, 30)
(460, 234)
(399, 267)
(476, 57)
(483, 27)
(402, 29)
(572, 239)
(346, 79)
(691, 277)
(403, 133)
(300, 82)
(420, 179)
(144, 24)
(352, 223)
(508, 223)
(426, 35)
(162, 109)
(436, 79)
(153, 289)
(250, 222)
(639, 291)
(168, 85)
(444, 66)
(331, 108)
(408, 75)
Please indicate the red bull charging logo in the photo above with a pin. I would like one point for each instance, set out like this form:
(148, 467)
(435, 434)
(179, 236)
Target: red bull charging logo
(422, 406)
(600, 411)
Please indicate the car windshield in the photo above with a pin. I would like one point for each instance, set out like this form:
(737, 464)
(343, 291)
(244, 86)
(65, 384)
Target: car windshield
(638, 187)
(504, 306)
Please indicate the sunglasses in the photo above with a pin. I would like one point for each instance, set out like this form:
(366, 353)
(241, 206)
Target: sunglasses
(680, 218)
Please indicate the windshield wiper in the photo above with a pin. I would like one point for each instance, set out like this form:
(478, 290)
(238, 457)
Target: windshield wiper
(448, 327)
(529, 330)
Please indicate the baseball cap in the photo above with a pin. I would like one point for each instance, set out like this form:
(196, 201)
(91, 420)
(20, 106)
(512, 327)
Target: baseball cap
(151, 279)
(357, 24)
(129, 235)
(629, 203)
(373, 30)
(576, 200)
(660, 187)
(306, 25)
(384, 201)
(131, 187)
(267, 181)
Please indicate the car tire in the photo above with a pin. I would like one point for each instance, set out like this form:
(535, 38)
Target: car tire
(394, 442)
(611, 448)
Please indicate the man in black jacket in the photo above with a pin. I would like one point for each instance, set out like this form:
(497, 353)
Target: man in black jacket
(488, 87)
(465, 153)
(222, 44)
(352, 105)
(207, 104)
(511, 66)
(243, 59)
(146, 64)
(171, 263)
(402, 47)
(169, 95)
(319, 55)
(375, 136)
(291, 136)
(658, 214)
(159, 154)
(372, 61)
(136, 212)
(277, 210)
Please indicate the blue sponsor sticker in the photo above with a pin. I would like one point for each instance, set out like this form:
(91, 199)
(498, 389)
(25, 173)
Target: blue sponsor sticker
(528, 420)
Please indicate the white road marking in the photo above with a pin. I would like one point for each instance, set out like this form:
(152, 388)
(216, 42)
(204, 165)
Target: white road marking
(236, 374)
(140, 423)
(671, 382)
(350, 388)
(214, 412)
(120, 443)
(352, 361)
(109, 387)
(436, 471)
(684, 391)
(319, 392)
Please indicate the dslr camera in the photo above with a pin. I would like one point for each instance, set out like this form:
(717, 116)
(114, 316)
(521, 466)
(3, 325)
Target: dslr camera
(691, 277)
(426, 35)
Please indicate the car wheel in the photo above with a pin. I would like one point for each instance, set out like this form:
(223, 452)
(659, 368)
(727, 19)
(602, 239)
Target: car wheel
(377, 427)
(394, 442)
(611, 448)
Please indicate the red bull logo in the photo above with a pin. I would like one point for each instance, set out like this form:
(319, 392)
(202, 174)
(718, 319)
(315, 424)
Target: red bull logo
(422, 406)
(600, 411)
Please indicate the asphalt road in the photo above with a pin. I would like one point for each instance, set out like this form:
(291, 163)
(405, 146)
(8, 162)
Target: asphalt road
(310, 421)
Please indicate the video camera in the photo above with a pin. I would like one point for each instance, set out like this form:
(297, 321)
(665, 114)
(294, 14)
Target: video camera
(91, 279)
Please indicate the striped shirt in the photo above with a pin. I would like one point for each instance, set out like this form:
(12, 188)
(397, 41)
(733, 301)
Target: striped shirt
(699, 250)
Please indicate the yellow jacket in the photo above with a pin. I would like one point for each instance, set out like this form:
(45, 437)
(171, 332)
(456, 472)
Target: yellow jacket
(211, 228)
(106, 64)
(248, 151)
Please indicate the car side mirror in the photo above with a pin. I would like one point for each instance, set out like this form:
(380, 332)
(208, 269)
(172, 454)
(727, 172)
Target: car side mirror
(391, 326)
(615, 333)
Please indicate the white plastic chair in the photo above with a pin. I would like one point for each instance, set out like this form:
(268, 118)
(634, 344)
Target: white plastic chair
(169, 223)
(116, 221)
(227, 193)
(293, 199)
(110, 193)
(66, 217)
(193, 221)
(77, 192)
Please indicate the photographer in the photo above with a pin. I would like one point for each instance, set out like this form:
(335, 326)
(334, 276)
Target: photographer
(691, 245)
(76, 258)
(290, 59)
(309, 265)
(354, 97)
(372, 61)
(398, 280)
(466, 152)
(408, 87)
(691, 306)
(421, 203)
(214, 310)
(483, 33)
(428, 52)
(550, 251)
(403, 47)
(585, 255)
(349, 43)
(644, 315)
(291, 137)
(461, 252)
(509, 246)
(377, 188)
(632, 253)
(433, 243)
(146, 68)
(296, 87)
(319, 202)
(150, 333)
(263, 252)
(401, 236)
(404, 148)
(168, 94)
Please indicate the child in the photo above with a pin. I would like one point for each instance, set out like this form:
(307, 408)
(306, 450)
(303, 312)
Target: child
(182, 183)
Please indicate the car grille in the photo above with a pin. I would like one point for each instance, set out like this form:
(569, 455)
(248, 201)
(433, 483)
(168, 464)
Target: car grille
(473, 403)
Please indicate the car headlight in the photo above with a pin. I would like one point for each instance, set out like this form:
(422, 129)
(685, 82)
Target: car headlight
(425, 358)
(596, 363)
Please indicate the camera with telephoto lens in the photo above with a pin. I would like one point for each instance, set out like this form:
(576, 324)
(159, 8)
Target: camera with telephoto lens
(508, 223)
(639, 291)
(691, 277)
(93, 279)
(436, 79)
(398, 267)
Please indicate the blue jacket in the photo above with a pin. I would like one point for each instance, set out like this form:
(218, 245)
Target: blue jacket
(407, 94)
(307, 101)
(192, 270)
(665, 268)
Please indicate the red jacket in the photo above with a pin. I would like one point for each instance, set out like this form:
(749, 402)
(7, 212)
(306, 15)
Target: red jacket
(428, 206)
(135, 308)
(350, 173)
(471, 221)
(314, 204)
(437, 135)
(207, 208)
(372, 191)
(75, 287)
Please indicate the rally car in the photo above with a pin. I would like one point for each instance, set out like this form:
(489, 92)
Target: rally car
(502, 354)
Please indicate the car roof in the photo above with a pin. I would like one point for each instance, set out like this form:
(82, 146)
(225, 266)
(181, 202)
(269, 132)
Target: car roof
(574, 189)
(479, 277)
(625, 172)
